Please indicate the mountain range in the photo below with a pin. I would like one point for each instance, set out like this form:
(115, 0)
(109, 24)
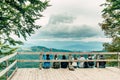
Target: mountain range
(40, 48)
(46, 49)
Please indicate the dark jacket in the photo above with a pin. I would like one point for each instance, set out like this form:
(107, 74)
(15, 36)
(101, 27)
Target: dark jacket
(64, 64)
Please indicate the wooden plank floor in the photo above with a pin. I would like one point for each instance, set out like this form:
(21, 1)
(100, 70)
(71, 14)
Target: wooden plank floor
(65, 74)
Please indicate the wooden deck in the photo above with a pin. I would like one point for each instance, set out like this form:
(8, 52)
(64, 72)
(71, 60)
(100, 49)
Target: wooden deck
(110, 73)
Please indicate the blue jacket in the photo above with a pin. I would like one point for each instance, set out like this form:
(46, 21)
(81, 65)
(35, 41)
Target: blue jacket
(47, 64)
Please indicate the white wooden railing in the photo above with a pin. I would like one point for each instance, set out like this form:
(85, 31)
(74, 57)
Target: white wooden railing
(40, 60)
(97, 60)
(8, 67)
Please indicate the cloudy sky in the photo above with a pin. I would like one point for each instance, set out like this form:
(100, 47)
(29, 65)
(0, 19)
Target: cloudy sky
(70, 24)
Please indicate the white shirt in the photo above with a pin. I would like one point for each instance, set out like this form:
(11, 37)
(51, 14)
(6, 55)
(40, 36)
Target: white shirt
(81, 64)
(74, 63)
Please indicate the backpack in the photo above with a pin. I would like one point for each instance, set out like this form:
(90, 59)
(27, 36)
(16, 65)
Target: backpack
(86, 65)
(102, 64)
(90, 63)
(56, 65)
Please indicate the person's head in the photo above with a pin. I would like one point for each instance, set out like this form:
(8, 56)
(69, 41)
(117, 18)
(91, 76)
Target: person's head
(47, 57)
(81, 55)
(63, 57)
(89, 55)
(101, 55)
(55, 56)
(75, 58)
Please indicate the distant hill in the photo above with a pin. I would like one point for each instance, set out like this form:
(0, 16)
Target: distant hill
(41, 48)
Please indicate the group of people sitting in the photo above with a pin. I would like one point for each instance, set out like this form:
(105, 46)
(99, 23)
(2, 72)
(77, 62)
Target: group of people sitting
(55, 64)
(73, 63)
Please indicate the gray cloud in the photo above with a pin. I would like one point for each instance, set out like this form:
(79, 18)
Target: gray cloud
(78, 7)
(60, 18)
(70, 24)
(67, 31)
(61, 26)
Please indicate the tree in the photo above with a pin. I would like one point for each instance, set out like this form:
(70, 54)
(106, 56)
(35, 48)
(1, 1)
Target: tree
(111, 24)
(18, 17)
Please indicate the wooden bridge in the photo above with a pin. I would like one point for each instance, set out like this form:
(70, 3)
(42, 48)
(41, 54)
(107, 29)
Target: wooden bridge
(96, 73)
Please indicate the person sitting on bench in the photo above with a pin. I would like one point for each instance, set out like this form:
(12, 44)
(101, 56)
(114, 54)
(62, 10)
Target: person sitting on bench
(90, 63)
(102, 64)
(64, 64)
(56, 65)
(46, 64)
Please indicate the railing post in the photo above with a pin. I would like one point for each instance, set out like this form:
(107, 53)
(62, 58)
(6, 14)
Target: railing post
(7, 64)
(40, 66)
(70, 59)
(97, 62)
(118, 59)
(16, 60)
(51, 63)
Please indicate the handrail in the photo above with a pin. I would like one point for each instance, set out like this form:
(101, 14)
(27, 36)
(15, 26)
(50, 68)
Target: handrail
(107, 60)
(68, 53)
(61, 53)
(7, 69)
(97, 60)
(7, 57)
(12, 74)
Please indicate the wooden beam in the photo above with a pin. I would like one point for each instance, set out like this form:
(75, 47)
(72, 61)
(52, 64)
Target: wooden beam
(118, 58)
(7, 64)
(7, 69)
(29, 52)
(70, 59)
(40, 58)
(29, 60)
(12, 74)
(67, 53)
(7, 57)
(107, 60)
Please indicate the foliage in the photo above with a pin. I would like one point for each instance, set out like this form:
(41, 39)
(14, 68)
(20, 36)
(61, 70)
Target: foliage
(18, 17)
(111, 24)
(6, 49)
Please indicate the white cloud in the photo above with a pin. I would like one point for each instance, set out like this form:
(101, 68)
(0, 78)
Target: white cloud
(88, 9)
(91, 39)
(97, 39)
(69, 26)
(72, 20)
